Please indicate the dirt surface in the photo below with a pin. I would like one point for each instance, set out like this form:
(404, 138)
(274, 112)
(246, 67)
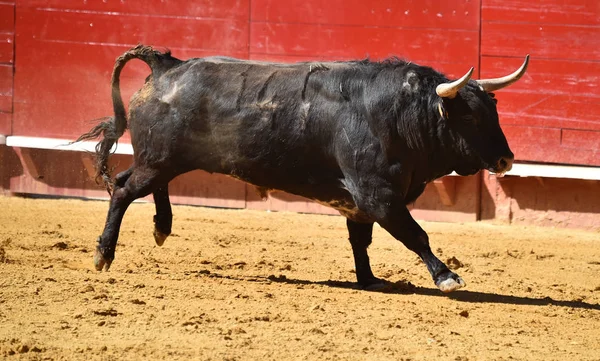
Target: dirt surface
(248, 285)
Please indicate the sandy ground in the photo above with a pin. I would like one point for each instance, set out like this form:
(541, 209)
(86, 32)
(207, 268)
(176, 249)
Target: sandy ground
(248, 285)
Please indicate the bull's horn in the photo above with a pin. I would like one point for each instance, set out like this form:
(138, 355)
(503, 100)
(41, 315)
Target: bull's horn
(490, 85)
(449, 90)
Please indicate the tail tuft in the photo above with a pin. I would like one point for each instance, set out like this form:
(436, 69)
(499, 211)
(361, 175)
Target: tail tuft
(106, 129)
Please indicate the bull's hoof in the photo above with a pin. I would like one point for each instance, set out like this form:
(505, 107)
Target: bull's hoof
(449, 281)
(100, 262)
(373, 284)
(159, 237)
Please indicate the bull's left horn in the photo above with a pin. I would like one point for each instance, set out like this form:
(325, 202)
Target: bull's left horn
(449, 90)
(490, 85)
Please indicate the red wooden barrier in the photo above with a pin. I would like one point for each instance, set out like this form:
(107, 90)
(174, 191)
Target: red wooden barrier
(65, 51)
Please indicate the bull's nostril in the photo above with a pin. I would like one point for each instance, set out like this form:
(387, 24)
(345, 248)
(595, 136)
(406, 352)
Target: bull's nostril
(502, 163)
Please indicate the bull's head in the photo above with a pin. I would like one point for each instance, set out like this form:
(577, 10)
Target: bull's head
(469, 109)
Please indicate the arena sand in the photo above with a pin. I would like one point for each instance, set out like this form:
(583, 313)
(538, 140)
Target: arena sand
(249, 285)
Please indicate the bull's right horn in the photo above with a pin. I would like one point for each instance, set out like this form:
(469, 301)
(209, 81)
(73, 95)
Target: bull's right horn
(449, 90)
(490, 85)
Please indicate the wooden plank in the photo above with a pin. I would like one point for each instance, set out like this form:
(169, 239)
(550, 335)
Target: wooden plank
(29, 165)
(234, 9)
(45, 174)
(129, 30)
(559, 203)
(201, 188)
(580, 139)
(446, 188)
(456, 46)
(452, 70)
(531, 143)
(542, 138)
(573, 12)
(544, 145)
(89, 163)
(382, 13)
(6, 123)
(6, 103)
(53, 119)
(7, 48)
(546, 122)
(541, 41)
(544, 110)
(284, 202)
(6, 79)
(7, 17)
(52, 166)
(464, 209)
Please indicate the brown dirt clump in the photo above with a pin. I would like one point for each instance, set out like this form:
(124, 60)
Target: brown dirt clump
(248, 285)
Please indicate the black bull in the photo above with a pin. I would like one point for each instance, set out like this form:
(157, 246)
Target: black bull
(362, 137)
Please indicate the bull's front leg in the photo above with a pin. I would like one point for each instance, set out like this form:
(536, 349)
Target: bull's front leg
(394, 217)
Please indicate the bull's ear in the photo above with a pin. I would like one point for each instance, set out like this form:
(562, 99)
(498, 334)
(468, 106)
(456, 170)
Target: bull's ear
(442, 110)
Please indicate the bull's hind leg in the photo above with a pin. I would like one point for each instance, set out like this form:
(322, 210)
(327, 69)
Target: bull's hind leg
(129, 186)
(164, 215)
(360, 238)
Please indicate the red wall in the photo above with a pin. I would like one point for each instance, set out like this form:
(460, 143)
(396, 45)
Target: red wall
(63, 51)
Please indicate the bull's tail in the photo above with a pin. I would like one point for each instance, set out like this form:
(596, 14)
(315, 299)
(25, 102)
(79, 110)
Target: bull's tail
(112, 129)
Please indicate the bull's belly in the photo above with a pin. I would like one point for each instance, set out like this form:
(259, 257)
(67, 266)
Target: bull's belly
(332, 195)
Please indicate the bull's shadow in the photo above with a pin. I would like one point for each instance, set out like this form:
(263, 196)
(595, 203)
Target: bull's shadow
(408, 288)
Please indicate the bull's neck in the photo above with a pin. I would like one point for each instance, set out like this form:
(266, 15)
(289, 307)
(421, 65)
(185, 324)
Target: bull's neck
(429, 144)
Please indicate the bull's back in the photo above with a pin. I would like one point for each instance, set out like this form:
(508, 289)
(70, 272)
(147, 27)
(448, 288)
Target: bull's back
(268, 124)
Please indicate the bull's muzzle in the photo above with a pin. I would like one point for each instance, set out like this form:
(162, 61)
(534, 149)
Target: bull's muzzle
(503, 165)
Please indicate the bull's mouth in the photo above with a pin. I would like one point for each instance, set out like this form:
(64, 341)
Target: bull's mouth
(498, 174)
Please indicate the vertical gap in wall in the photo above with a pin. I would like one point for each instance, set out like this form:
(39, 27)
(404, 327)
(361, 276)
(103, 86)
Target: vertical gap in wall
(14, 69)
(480, 179)
(248, 57)
(479, 195)
(480, 23)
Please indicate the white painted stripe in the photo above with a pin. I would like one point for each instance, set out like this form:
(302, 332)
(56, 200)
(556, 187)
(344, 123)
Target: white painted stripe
(554, 171)
(551, 171)
(2, 139)
(61, 144)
